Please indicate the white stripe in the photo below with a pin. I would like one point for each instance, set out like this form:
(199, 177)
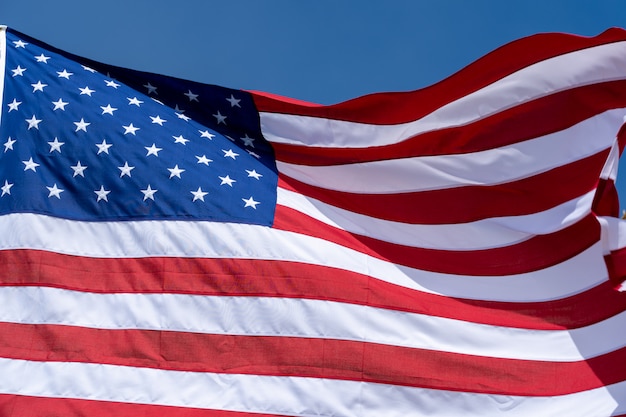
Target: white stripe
(614, 233)
(483, 234)
(573, 276)
(290, 396)
(289, 317)
(588, 66)
(240, 241)
(609, 171)
(489, 167)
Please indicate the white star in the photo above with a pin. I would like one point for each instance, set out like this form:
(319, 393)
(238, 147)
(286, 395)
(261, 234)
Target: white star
(103, 147)
(233, 101)
(30, 165)
(125, 170)
(199, 194)
(102, 194)
(178, 109)
(250, 202)
(18, 71)
(248, 141)
(108, 109)
(192, 96)
(6, 188)
(20, 43)
(55, 191)
(153, 150)
(151, 88)
(182, 116)
(180, 139)
(65, 74)
(56, 145)
(9, 144)
(42, 58)
(88, 69)
(60, 104)
(206, 134)
(253, 154)
(254, 174)
(78, 169)
(33, 122)
(134, 101)
(14, 105)
(220, 118)
(227, 180)
(230, 154)
(157, 101)
(204, 160)
(175, 172)
(86, 91)
(158, 120)
(130, 129)
(148, 193)
(111, 83)
(81, 125)
(39, 86)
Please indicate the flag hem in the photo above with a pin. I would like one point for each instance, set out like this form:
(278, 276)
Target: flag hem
(3, 50)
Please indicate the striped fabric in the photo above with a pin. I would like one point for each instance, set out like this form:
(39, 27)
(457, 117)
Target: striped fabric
(452, 251)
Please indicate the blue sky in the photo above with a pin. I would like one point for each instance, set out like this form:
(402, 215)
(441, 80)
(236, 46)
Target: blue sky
(323, 51)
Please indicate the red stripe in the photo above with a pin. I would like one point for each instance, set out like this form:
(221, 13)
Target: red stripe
(616, 265)
(606, 200)
(548, 115)
(471, 203)
(413, 105)
(538, 252)
(294, 280)
(27, 406)
(306, 357)
(621, 138)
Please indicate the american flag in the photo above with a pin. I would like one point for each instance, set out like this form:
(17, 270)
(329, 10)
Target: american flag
(179, 249)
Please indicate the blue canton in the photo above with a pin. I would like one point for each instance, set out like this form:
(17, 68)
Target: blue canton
(86, 141)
